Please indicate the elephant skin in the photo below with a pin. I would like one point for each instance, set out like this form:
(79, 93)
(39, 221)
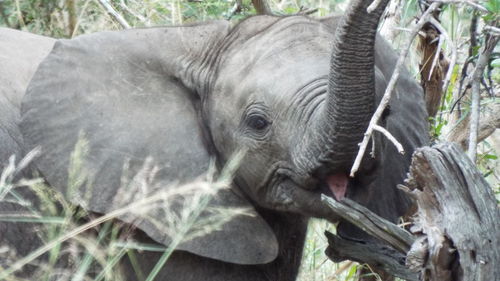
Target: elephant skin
(178, 98)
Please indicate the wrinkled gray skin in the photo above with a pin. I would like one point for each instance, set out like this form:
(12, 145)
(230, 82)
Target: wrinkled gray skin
(185, 95)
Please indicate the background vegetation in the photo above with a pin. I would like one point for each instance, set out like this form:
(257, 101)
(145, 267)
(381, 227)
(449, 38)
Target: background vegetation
(465, 27)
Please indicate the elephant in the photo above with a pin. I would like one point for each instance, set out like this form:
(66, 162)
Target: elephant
(295, 93)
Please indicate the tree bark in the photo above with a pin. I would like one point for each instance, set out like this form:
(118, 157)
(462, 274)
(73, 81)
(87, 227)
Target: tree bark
(456, 234)
(489, 122)
(262, 7)
(457, 219)
(433, 67)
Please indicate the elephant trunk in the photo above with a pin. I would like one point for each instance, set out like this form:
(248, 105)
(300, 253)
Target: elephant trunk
(351, 90)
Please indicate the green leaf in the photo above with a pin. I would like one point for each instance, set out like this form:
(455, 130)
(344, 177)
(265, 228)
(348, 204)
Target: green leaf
(475, 50)
(490, 156)
(352, 272)
(493, 6)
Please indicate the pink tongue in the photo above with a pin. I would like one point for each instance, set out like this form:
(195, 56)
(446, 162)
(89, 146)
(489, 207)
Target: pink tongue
(338, 185)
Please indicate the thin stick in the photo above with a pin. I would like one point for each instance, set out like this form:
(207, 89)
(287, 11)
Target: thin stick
(436, 57)
(453, 48)
(20, 15)
(470, 3)
(114, 14)
(130, 11)
(482, 62)
(388, 135)
(83, 10)
(390, 87)
(492, 29)
(373, 6)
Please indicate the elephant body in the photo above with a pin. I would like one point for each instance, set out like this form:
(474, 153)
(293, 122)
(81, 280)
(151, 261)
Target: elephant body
(185, 95)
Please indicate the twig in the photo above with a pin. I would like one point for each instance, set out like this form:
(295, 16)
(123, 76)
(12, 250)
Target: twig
(490, 121)
(482, 62)
(390, 137)
(492, 29)
(453, 60)
(77, 25)
(20, 15)
(373, 6)
(128, 10)
(470, 3)
(436, 56)
(114, 14)
(390, 87)
(306, 11)
(458, 95)
(235, 9)
(72, 19)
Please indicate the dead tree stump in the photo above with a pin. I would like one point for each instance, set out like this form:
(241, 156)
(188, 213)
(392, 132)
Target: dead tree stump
(458, 220)
(455, 232)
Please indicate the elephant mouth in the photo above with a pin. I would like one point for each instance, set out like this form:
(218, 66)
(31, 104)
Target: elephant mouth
(290, 196)
(335, 185)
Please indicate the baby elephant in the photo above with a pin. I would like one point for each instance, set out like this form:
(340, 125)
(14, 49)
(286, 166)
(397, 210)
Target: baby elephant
(125, 121)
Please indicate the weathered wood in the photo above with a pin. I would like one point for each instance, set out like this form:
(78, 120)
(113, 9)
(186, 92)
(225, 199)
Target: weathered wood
(370, 222)
(433, 66)
(377, 255)
(456, 231)
(458, 217)
(262, 7)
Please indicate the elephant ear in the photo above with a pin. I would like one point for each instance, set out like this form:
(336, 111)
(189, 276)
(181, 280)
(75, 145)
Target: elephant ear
(128, 101)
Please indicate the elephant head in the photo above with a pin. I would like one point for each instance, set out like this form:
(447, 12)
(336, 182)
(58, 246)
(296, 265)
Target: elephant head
(177, 97)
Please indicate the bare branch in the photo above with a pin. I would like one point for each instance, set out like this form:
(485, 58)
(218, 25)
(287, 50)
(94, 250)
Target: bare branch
(371, 223)
(130, 11)
(236, 9)
(459, 94)
(72, 19)
(482, 62)
(390, 87)
(385, 257)
(492, 29)
(488, 123)
(373, 6)
(453, 48)
(390, 28)
(114, 14)
(436, 56)
(20, 15)
(470, 3)
(388, 135)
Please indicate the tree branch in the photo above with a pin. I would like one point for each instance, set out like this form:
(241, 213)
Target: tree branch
(390, 87)
(470, 3)
(488, 123)
(484, 57)
(382, 256)
(371, 223)
(114, 14)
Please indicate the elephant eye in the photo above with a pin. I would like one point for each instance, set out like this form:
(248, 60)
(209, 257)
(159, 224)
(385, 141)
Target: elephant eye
(257, 123)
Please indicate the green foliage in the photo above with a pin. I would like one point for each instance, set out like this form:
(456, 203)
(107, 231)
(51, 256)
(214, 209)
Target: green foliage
(493, 7)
